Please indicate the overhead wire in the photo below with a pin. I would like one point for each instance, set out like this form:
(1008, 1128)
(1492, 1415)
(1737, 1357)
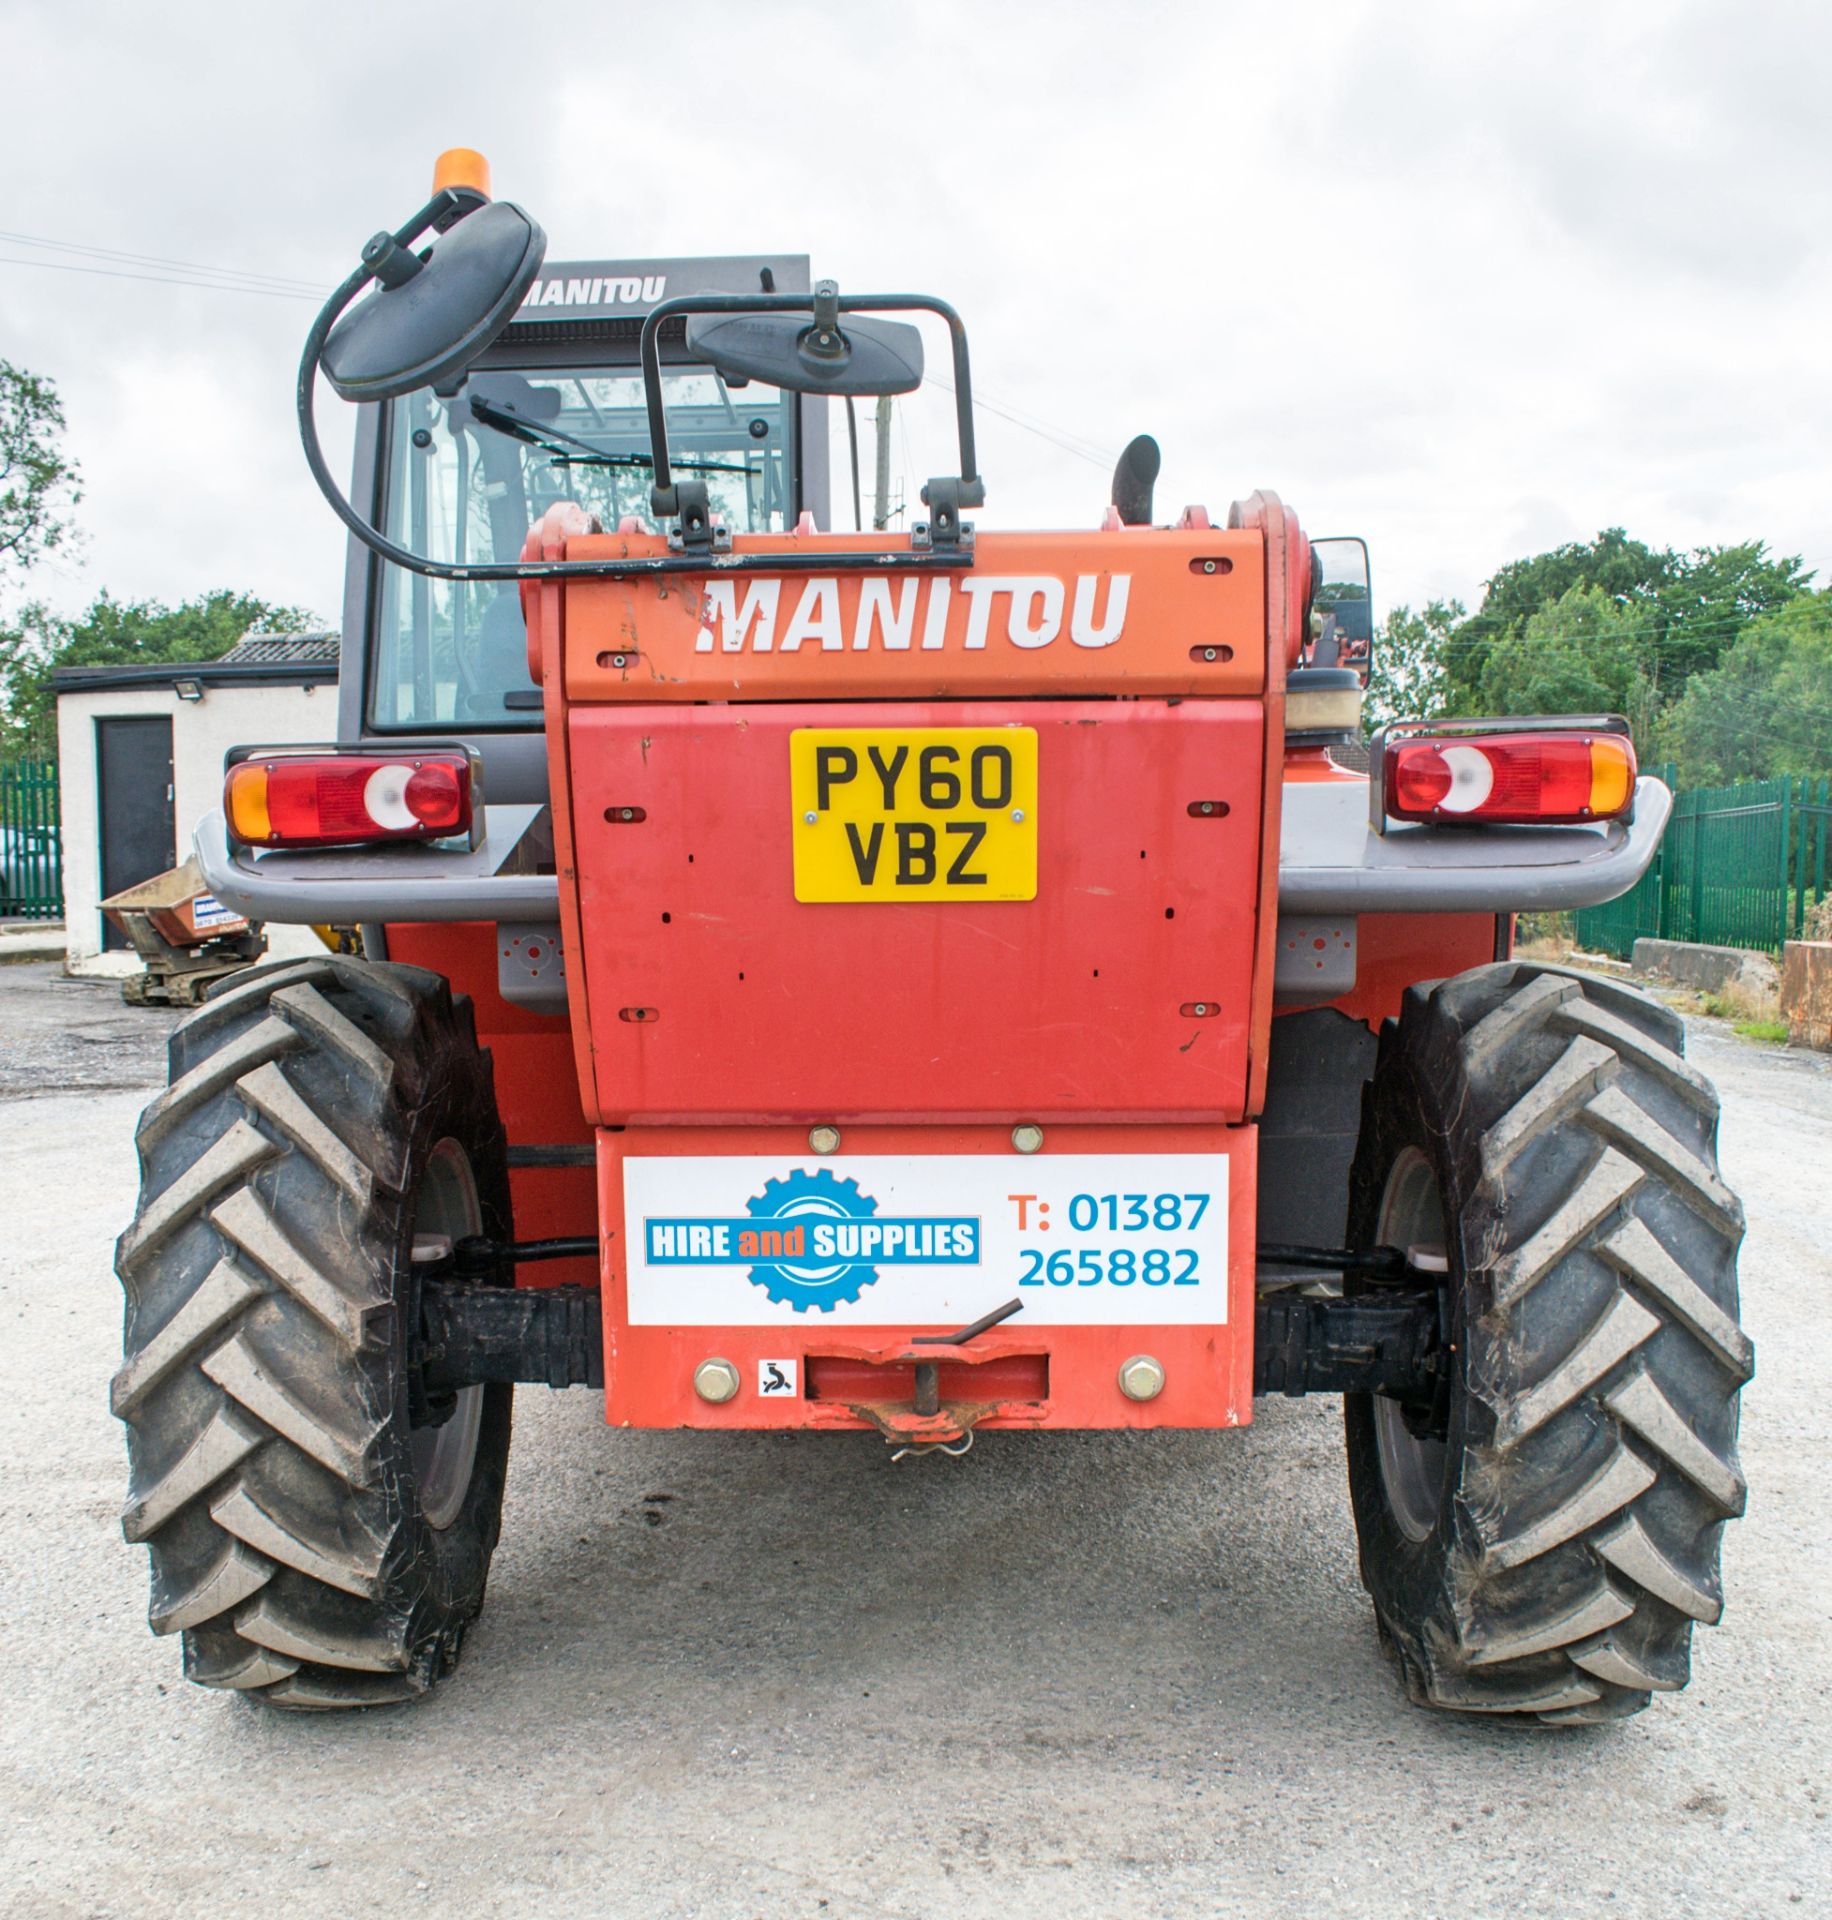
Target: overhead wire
(1671, 635)
(290, 282)
(159, 279)
(122, 264)
(1057, 436)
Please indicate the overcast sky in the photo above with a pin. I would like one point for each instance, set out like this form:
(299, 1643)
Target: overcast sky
(1469, 280)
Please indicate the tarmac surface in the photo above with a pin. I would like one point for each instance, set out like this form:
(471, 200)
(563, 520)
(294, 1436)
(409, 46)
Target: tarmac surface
(1071, 1677)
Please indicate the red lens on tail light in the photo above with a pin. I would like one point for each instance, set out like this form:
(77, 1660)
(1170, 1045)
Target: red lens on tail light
(347, 799)
(1510, 778)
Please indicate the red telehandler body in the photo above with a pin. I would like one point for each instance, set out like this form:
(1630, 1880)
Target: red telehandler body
(928, 983)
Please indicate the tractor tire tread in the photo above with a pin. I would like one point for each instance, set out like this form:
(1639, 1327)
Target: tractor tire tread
(260, 1379)
(1597, 1244)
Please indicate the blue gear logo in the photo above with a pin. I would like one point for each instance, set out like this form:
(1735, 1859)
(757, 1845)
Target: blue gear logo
(801, 1283)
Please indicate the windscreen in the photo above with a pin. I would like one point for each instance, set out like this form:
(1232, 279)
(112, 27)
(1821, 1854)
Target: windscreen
(468, 474)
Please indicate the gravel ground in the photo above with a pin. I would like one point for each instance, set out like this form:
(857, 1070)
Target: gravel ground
(1070, 1676)
(59, 1035)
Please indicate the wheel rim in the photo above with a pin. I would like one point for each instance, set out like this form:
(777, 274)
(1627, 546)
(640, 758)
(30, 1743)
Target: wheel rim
(444, 1456)
(1411, 1468)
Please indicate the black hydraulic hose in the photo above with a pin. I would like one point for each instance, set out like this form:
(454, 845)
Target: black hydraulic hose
(1374, 1263)
(573, 1247)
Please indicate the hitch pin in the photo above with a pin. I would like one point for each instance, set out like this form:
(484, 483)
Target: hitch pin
(928, 1374)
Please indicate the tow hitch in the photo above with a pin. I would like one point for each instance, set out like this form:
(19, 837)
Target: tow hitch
(924, 1425)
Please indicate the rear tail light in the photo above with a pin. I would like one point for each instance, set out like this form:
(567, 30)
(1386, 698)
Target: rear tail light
(1529, 777)
(349, 799)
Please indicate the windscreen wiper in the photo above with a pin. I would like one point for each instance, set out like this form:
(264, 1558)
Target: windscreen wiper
(558, 442)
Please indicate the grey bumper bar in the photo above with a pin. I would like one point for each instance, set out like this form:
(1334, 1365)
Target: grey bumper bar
(1332, 862)
(383, 883)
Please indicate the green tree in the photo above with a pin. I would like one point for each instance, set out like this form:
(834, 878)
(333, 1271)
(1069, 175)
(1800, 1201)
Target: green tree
(1710, 597)
(118, 633)
(1681, 611)
(38, 485)
(1406, 679)
(1580, 653)
(1623, 569)
(1766, 708)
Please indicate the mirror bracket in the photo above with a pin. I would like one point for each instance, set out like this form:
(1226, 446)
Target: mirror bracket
(945, 531)
(695, 531)
(825, 341)
(391, 263)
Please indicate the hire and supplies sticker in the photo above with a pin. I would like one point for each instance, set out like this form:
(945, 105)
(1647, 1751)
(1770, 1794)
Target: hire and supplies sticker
(882, 1240)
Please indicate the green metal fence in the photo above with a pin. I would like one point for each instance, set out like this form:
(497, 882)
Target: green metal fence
(1738, 867)
(31, 845)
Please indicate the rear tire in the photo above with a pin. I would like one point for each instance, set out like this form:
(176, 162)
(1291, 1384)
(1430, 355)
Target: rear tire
(1544, 1544)
(318, 1536)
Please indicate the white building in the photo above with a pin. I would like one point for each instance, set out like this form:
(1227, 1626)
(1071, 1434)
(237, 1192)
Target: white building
(140, 762)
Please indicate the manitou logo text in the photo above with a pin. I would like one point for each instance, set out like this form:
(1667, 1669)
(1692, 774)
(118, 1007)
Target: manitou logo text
(1028, 610)
(618, 290)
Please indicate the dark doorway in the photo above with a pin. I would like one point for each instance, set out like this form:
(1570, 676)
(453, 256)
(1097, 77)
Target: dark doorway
(133, 761)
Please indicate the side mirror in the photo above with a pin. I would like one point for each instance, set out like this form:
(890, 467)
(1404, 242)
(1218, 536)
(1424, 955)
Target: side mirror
(809, 356)
(432, 315)
(1342, 606)
(798, 341)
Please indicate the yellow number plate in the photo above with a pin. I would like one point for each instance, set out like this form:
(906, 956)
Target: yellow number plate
(929, 813)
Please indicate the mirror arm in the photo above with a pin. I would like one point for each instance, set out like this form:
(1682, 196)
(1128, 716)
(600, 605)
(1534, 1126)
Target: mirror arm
(665, 501)
(380, 257)
(973, 488)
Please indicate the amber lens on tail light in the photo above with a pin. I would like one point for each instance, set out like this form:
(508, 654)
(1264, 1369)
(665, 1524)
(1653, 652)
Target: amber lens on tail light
(347, 799)
(1510, 778)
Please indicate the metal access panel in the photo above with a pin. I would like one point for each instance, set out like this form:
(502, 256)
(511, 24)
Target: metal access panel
(1120, 991)
(1118, 1242)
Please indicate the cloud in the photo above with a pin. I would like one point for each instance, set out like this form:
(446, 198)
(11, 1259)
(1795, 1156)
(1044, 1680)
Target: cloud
(1466, 280)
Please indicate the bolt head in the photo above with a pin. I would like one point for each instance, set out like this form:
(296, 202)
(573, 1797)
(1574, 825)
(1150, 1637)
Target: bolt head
(1200, 1009)
(716, 1381)
(1027, 1138)
(1141, 1377)
(823, 1139)
(1208, 566)
(1017, 814)
(811, 818)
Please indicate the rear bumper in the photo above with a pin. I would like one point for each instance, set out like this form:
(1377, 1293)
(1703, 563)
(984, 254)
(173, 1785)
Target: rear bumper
(346, 887)
(1331, 862)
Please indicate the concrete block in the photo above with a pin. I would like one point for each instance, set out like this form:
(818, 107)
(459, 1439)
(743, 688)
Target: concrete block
(1687, 963)
(1806, 993)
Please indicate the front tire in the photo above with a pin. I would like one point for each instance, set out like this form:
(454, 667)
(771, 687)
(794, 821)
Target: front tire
(320, 1534)
(1544, 1540)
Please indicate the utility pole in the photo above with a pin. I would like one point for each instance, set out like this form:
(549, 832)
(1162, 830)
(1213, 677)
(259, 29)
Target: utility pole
(881, 506)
